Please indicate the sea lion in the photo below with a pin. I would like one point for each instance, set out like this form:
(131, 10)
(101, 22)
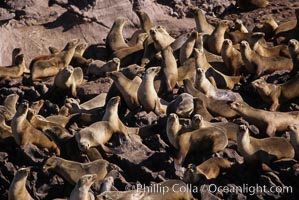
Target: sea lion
(72, 171)
(51, 66)
(210, 169)
(15, 70)
(128, 88)
(293, 46)
(17, 188)
(78, 60)
(69, 78)
(169, 69)
(207, 140)
(232, 58)
(202, 25)
(61, 120)
(81, 190)
(261, 65)
(240, 26)
(275, 94)
(294, 138)
(267, 26)
(206, 87)
(14, 54)
(230, 128)
(214, 41)
(97, 70)
(115, 39)
(160, 37)
(256, 43)
(97, 101)
(266, 121)
(252, 4)
(8, 109)
(174, 192)
(182, 105)
(263, 150)
(200, 108)
(5, 131)
(217, 78)
(147, 94)
(24, 133)
(187, 48)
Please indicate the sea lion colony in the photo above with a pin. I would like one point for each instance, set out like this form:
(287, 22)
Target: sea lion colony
(176, 81)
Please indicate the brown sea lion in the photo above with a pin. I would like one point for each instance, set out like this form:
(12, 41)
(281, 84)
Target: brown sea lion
(17, 188)
(267, 122)
(267, 26)
(81, 190)
(275, 94)
(97, 101)
(232, 58)
(208, 140)
(5, 130)
(160, 37)
(263, 150)
(15, 70)
(202, 25)
(260, 65)
(115, 39)
(252, 4)
(214, 41)
(210, 169)
(294, 138)
(182, 105)
(200, 108)
(99, 69)
(8, 109)
(24, 133)
(51, 66)
(187, 48)
(240, 26)
(169, 68)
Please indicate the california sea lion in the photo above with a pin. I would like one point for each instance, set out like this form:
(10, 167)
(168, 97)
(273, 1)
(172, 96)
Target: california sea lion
(240, 26)
(266, 121)
(24, 133)
(293, 47)
(72, 171)
(8, 109)
(5, 131)
(15, 70)
(160, 37)
(182, 105)
(97, 69)
(147, 94)
(17, 188)
(81, 190)
(275, 94)
(210, 169)
(115, 39)
(202, 25)
(252, 4)
(267, 26)
(232, 58)
(262, 150)
(51, 66)
(260, 65)
(208, 140)
(69, 78)
(187, 48)
(169, 68)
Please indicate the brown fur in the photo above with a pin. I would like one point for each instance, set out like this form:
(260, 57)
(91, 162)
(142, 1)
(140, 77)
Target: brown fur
(15, 70)
(115, 40)
(202, 25)
(17, 189)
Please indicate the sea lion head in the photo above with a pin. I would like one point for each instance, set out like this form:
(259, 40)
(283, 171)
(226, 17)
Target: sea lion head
(72, 44)
(121, 20)
(261, 85)
(227, 43)
(51, 163)
(294, 128)
(22, 173)
(239, 22)
(244, 45)
(134, 69)
(237, 105)
(83, 139)
(158, 33)
(197, 120)
(113, 101)
(293, 45)
(190, 175)
(81, 48)
(87, 180)
(153, 71)
(23, 107)
(173, 122)
(224, 23)
(19, 59)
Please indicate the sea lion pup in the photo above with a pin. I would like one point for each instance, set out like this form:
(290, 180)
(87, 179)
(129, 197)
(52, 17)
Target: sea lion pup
(214, 41)
(267, 26)
(187, 48)
(147, 94)
(232, 58)
(252, 4)
(275, 94)
(51, 66)
(294, 138)
(293, 47)
(160, 37)
(72, 171)
(231, 128)
(69, 78)
(215, 107)
(202, 25)
(8, 109)
(261, 65)
(24, 133)
(15, 70)
(115, 39)
(128, 88)
(169, 68)
(206, 87)
(217, 78)
(81, 190)
(5, 131)
(17, 188)
(256, 43)
(266, 121)
(240, 26)
(264, 150)
(208, 140)
(182, 105)
(210, 169)
(99, 69)
(174, 192)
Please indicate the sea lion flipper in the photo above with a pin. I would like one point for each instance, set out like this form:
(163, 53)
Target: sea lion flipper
(270, 130)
